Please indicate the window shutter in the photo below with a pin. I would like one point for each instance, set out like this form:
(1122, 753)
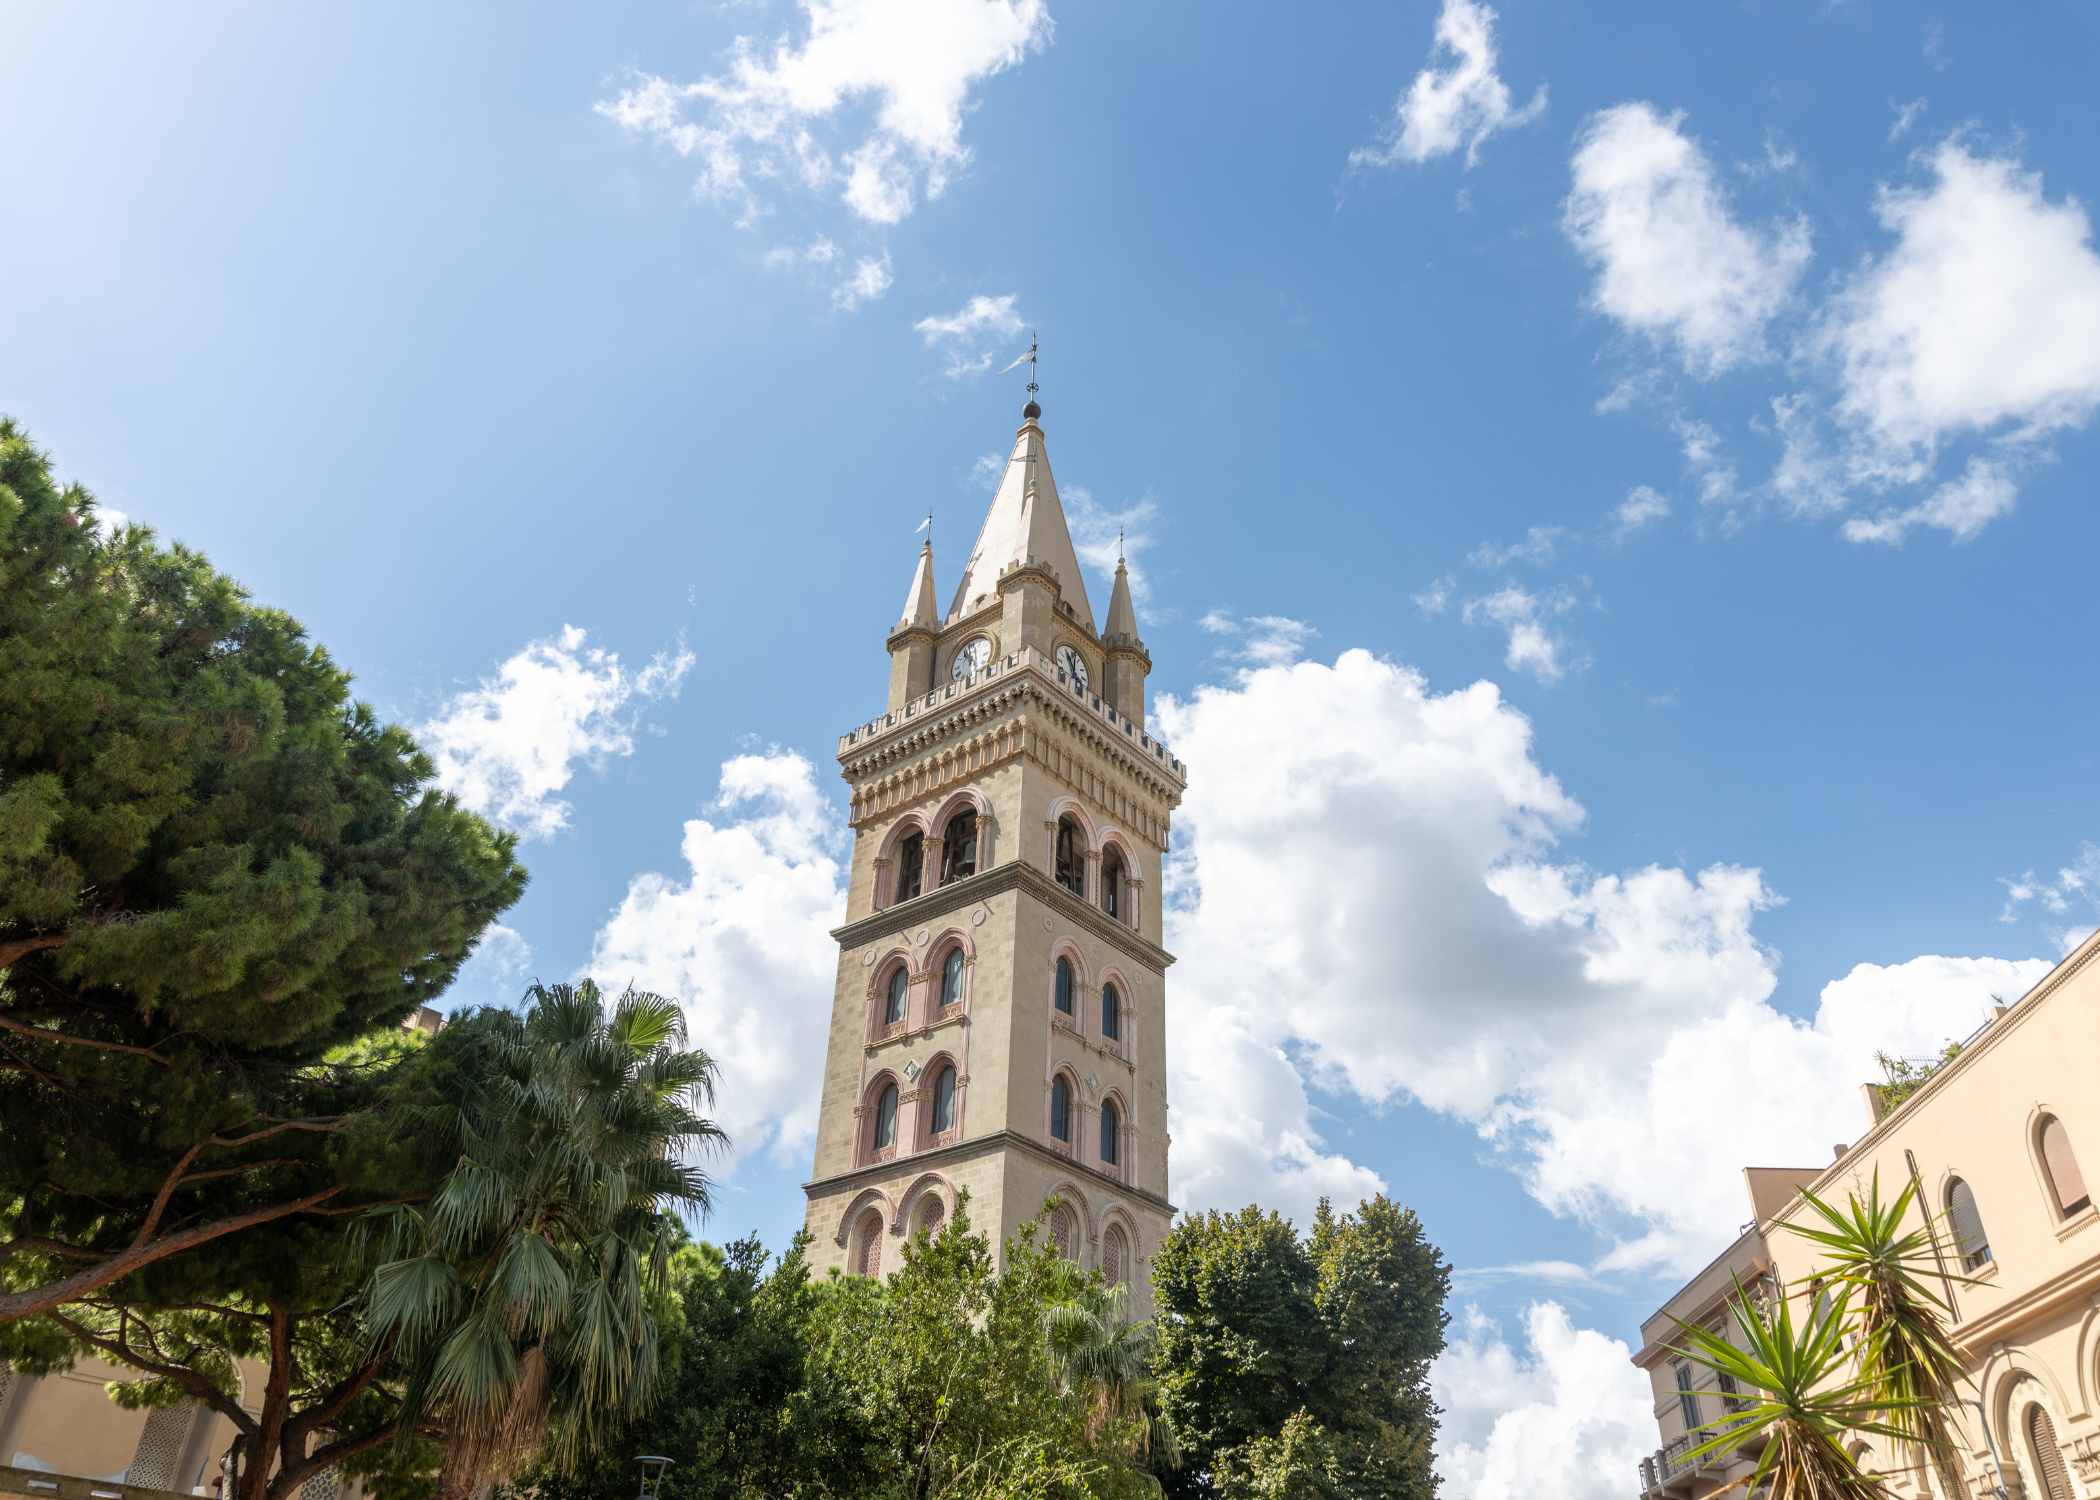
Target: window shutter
(2048, 1456)
(1967, 1224)
(2062, 1166)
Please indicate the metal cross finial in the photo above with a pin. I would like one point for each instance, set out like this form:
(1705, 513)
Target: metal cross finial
(1032, 387)
(1119, 544)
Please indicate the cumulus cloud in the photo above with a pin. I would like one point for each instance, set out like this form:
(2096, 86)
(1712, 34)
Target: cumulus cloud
(1538, 546)
(1385, 858)
(1458, 100)
(508, 746)
(974, 334)
(1961, 507)
(1564, 1416)
(1259, 640)
(1436, 598)
(2070, 898)
(870, 279)
(866, 103)
(1983, 318)
(1533, 646)
(741, 937)
(1101, 534)
(1673, 262)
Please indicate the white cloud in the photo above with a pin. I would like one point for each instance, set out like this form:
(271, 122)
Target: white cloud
(868, 102)
(1538, 546)
(818, 252)
(508, 746)
(1673, 263)
(1532, 644)
(1260, 640)
(1101, 535)
(1961, 507)
(973, 334)
(1457, 100)
(870, 279)
(495, 973)
(743, 940)
(1641, 508)
(1383, 860)
(1907, 115)
(1566, 1417)
(1983, 318)
(2073, 885)
(1436, 598)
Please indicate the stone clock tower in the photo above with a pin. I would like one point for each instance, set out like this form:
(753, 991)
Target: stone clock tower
(998, 1025)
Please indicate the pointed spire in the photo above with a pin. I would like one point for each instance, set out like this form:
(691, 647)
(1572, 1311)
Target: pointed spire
(1025, 524)
(1122, 618)
(918, 604)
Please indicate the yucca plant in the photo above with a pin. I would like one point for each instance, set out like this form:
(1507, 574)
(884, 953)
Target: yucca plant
(520, 1295)
(1903, 1352)
(1808, 1401)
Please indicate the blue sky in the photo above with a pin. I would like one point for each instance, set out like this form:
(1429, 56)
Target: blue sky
(1686, 411)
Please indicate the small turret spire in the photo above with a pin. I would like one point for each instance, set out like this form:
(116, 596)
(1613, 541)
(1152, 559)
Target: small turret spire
(919, 607)
(1122, 617)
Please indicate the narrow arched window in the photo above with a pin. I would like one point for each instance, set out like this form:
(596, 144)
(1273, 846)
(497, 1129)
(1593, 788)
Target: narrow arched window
(1112, 881)
(1111, 1013)
(1966, 1225)
(2066, 1182)
(1111, 1133)
(1061, 1109)
(1064, 985)
(959, 847)
(911, 866)
(952, 978)
(1071, 857)
(2046, 1455)
(932, 1213)
(1064, 1231)
(893, 997)
(1115, 1254)
(944, 1101)
(867, 1244)
(886, 1118)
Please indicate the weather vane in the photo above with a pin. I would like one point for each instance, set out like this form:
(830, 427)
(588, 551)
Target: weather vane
(1028, 359)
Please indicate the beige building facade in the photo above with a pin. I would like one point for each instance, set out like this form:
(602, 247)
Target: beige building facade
(2000, 1141)
(998, 1025)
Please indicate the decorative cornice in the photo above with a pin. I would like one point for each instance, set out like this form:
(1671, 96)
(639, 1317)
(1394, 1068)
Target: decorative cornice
(1014, 874)
(904, 633)
(976, 1146)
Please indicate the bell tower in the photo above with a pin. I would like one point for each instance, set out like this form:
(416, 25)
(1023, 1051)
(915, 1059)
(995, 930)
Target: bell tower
(998, 1024)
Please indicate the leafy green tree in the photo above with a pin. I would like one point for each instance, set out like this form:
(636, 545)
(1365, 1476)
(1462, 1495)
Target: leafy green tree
(1300, 1462)
(521, 1291)
(215, 870)
(1257, 1326)
(1102, 1357)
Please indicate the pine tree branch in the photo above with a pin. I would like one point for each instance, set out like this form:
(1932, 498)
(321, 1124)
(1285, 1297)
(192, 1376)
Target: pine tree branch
(23, 947)
(43, 1034)
(121, 1350)
(42, 1300)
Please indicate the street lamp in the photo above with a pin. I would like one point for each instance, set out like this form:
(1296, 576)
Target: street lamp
(652, 1467)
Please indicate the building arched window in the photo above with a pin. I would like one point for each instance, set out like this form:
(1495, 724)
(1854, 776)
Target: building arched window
(2045, 1455)
(1065, 982)
(1071, 856)
(1114, 880)
(884, 1135)
(2060, 1168)
(932, 1213)
(1115, 1255)
(911, 867)
(867, 1244)
(1111, 1013)
(894, 995)
(1064, 1231)
(959, 846)
(952, 978)
(1111, 1133)
(1061, 1109)
(944, 1100)
(1966, 1225)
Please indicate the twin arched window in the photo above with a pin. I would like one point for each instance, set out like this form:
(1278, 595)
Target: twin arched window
(1065, 985)
(944, 1100)
(911, 867)
(952, 978)
(2060, 1168)
(1061, 1109)
(1111, 1133)
(884, 1137)
(959, 846)
(1071, 856)
(1111, 1013)
(1064, 1231)
(895, 995)
(867, 1244)
(1115, 1254)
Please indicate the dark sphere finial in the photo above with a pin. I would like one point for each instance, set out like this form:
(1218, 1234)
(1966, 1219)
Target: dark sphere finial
(1030, 412)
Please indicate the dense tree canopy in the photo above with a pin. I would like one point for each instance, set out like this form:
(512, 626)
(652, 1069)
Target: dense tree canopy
(215, 870)
(1292, 1367)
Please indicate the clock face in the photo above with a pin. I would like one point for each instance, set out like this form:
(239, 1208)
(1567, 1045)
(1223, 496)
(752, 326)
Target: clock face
(1074, 665)
(971, 659)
